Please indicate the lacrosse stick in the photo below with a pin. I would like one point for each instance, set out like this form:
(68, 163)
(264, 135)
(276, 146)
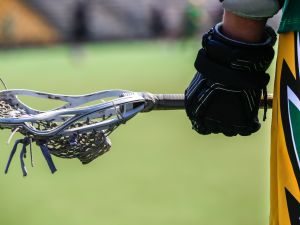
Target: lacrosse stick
(76, 130)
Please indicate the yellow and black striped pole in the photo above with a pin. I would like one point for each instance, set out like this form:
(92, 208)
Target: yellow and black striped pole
(285, 143)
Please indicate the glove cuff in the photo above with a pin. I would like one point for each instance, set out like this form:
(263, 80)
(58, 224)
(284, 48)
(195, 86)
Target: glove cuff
(215, 33)
(235, 63)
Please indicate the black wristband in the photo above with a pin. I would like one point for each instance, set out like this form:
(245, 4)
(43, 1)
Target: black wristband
(215, 33)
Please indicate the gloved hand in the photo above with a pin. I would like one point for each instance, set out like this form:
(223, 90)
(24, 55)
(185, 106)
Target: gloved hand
(225, 93)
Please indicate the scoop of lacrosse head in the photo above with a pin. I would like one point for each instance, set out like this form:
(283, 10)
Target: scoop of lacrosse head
(74, 130)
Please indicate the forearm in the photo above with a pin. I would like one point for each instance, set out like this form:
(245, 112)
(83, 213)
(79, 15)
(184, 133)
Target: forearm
(243, 29)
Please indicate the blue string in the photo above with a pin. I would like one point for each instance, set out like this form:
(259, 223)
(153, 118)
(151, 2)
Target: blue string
(48, 157)
(22, 156)
(12, 153)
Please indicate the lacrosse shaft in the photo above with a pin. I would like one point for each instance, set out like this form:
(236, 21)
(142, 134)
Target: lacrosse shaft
(169, 101)
(176, 101)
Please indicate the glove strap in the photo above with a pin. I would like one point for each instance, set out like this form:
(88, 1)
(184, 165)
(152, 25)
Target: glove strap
(224, 75)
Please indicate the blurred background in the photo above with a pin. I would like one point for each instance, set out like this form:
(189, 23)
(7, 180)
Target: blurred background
(25, 22)
(159, 172)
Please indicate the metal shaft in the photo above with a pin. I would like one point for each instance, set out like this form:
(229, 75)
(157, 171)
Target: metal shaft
(176, 101)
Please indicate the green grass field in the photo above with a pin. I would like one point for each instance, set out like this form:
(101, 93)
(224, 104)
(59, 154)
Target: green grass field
(159, 172)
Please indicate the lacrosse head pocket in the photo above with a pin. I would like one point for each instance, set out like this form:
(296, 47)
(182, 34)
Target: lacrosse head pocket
(76, 129)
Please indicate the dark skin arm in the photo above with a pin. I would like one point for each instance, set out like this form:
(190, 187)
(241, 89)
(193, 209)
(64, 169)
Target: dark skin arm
(243, 29)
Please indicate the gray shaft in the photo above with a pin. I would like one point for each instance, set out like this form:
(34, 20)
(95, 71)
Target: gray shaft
(176, 101)
(168, 101)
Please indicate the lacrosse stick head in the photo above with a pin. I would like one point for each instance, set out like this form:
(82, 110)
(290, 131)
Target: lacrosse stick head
(74, 130)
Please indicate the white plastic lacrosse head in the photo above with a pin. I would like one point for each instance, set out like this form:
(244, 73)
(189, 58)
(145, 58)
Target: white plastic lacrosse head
(78, 129)
(73, 117)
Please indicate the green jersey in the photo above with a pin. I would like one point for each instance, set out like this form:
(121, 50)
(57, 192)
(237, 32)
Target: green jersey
(290, 20)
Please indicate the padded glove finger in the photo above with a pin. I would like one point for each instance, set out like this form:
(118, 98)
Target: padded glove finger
(215, 108)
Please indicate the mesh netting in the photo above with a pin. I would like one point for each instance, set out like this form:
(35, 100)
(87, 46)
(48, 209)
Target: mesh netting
(9, 111)
(84, 146)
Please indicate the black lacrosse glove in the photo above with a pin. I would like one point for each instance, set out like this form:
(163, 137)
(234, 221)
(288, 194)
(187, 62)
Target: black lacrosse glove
(224, 96)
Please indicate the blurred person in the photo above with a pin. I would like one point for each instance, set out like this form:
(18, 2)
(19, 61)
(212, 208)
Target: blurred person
(231, 77)
(191, 20)
(7, 29)
(79, 30)
(157, 23)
